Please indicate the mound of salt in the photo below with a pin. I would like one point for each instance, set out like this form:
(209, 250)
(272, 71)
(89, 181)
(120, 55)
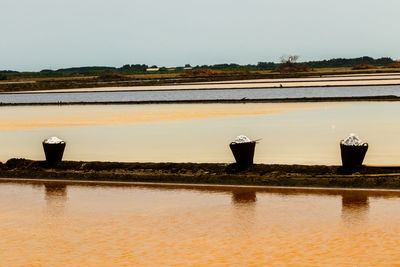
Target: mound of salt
(53, 140)
(352, 140)
(242, 139)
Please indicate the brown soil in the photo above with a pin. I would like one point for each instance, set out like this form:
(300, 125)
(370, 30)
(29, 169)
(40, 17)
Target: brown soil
(394, 65)
(364, 66)
(207, 173)
(290, 67)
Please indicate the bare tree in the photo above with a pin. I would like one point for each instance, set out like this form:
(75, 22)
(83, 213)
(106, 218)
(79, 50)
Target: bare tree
(288, 59)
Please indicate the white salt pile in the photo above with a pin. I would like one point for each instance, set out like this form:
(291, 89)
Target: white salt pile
(53, 140)
(352, 140)
(242, 139)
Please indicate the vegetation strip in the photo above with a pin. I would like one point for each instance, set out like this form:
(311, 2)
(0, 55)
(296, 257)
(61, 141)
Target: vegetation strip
(293, 81)
(207, 173)
(117, 80)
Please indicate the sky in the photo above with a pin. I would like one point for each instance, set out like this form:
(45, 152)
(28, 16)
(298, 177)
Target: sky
(53, 34)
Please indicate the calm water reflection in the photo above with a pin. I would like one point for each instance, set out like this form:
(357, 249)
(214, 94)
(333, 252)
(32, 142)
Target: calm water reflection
(243, 196)
(56, 198)
(113, 224)
(355, 207)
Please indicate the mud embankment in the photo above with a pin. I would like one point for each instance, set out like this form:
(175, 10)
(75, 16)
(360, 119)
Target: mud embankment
(387, 98)
(207, 173)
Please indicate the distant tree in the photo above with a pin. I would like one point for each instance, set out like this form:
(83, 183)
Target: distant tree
(134, 68)
(126, 67)
(288, 59)
(9, 71)
(266, 65)
(349, 62)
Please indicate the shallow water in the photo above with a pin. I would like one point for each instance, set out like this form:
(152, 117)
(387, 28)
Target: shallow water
(55, 224)
(169, 95)
(303, 133)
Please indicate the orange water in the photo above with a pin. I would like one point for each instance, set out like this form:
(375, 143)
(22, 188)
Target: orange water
(54, 224)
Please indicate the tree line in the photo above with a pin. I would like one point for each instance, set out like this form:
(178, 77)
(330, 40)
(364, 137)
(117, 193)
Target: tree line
(141, 68)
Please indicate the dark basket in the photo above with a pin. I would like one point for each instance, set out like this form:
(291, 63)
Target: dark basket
(353, 156)
(243, 152)
(54, 152)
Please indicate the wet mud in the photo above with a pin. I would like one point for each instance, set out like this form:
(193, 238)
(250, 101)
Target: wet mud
(207, 173)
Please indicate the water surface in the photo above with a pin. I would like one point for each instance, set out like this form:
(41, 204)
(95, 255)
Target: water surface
(53, 224)
(302, 133)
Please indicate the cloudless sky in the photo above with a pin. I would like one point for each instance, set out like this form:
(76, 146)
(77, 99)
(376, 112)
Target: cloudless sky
(42, 34)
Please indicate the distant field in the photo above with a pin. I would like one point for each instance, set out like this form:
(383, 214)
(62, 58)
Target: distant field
(316, 71)
(151, 79)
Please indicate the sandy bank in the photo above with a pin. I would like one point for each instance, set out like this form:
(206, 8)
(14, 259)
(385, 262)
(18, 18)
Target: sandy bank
(207, 173)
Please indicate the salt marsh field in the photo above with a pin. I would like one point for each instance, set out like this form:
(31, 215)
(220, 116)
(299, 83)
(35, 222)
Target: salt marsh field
(51, 223)
(290, 133)
(92, 224)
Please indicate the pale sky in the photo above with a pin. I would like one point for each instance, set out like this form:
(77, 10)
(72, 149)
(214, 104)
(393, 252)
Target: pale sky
(42, 34)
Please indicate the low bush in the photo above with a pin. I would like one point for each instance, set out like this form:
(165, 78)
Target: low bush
(364, 66)
(393, 65)
(210, 72)
(290, 67)
(110, 76)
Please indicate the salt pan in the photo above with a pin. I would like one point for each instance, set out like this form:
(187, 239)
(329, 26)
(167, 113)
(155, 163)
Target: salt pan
(353, 140)
(53, 140)
(242, 139)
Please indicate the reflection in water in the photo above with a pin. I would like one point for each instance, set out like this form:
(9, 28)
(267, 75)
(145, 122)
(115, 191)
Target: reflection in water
(244, 202)
(39, 117)
(56, 198)
(355, 206)
(37, 186)
(244, 196)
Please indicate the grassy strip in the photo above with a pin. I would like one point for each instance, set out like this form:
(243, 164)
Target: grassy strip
(206, 173)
